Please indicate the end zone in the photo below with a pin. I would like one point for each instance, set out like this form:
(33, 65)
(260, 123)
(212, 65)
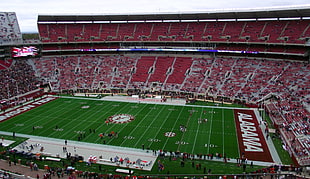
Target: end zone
(252, 143)
(16, 111)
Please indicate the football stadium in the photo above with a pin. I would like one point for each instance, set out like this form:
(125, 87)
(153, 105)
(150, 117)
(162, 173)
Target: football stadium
(203, 95)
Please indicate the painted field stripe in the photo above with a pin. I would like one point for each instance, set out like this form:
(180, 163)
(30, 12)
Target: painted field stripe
(197, 131)
(223, 128)
(210, 130)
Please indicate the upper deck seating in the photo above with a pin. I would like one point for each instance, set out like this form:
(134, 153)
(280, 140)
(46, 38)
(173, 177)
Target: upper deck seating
(284, 31)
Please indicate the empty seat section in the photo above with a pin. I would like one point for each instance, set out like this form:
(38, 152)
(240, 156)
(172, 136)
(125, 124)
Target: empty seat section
(143, 31)
(91, 31)
(252, 31)
(57, 32)
(160, 32)
(162, 65)
(75, 32)
(143, 68)
(273, 30)
(126, 31)
(180, 67)
(109, 31)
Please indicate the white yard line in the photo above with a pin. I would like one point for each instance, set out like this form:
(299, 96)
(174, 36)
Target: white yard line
(197, 131)
(173, 127)
(236, 136)
(160, 129)
(223, 128)
(145, 131)
(139, 125)
(186, 125)
(210, 131)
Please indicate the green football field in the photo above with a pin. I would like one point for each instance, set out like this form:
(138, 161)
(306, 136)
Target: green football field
(155, 126)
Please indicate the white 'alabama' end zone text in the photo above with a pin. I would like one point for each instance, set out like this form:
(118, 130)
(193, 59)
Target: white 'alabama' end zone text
(22, 109)
(250, 138)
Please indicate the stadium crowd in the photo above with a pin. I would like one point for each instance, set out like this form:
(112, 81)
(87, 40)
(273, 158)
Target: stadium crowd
(9, 29)
(18, 84)
(17, 78)
(249, 80)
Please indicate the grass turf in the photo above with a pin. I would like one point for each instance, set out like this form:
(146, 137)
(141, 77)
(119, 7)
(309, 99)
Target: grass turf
(67, 119)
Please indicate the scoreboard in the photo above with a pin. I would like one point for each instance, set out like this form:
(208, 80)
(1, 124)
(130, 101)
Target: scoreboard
(25, 51)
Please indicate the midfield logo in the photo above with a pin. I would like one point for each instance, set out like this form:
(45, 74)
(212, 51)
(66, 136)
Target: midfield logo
(121, 118)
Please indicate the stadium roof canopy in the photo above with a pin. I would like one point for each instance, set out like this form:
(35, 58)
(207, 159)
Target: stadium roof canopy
(211, 15)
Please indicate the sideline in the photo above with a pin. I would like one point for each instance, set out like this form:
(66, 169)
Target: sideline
(274, 154)
(173, 102)
(54, 148)
(87, 149)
